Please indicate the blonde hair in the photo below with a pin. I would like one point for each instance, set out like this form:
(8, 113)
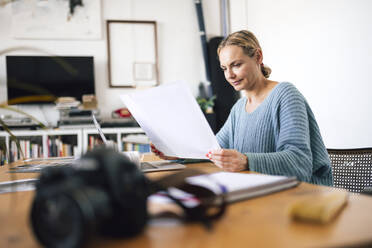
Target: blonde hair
(248, 42)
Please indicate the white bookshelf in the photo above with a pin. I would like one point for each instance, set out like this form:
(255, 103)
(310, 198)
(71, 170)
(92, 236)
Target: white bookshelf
(80, 137)
(77, 133)
(25, 135)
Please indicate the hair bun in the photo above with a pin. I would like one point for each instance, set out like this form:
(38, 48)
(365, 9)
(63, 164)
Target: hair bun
(266, 71)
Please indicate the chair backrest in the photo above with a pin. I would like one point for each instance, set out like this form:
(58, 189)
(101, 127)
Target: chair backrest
(352, 168)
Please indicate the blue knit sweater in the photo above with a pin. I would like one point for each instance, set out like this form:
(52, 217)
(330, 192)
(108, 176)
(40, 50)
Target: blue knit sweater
(280, 137)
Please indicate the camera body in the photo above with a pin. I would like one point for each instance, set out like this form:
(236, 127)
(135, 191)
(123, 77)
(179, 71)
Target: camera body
(102, 193)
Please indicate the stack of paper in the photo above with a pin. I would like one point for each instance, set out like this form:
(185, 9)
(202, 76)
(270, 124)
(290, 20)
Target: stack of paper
(67, 103)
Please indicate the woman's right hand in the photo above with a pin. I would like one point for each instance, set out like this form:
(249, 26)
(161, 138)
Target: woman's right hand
(160, 154)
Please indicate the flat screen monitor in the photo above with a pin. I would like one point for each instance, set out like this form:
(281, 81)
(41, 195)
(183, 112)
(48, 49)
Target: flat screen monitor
(57, 76)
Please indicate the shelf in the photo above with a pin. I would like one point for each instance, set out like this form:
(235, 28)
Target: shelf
(62, 142)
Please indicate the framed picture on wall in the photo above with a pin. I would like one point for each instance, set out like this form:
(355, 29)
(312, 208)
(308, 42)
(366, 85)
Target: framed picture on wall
(132, 53)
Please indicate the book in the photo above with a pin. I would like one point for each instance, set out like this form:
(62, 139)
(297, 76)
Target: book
(319, 207)
(240, 186)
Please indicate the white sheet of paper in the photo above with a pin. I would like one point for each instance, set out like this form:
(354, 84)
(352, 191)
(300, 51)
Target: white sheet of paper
(173, 120)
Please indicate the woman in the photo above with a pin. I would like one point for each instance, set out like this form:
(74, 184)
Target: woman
(271, 130)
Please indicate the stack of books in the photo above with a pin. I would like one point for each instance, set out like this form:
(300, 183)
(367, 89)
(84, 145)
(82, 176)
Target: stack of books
(58, 148)
(136, 142)
(29, 149)
(67, 103)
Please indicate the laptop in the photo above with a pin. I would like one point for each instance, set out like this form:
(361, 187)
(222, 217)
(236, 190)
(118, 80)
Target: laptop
(162, 165)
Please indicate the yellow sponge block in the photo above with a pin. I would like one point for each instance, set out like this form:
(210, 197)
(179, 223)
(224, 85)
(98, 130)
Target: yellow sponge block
(320, 208)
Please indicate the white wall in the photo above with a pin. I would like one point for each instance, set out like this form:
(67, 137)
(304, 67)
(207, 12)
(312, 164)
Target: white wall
(179, 47)
(324, 47)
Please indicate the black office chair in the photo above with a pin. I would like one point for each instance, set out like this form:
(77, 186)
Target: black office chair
(352, 169)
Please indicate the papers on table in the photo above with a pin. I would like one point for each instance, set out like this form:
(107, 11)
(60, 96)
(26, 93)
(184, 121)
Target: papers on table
(173, 120)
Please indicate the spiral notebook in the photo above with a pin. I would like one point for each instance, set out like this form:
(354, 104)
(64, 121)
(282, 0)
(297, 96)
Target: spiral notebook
(240, 186)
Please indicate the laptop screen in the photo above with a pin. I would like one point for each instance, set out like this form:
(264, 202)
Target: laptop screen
(98, 127)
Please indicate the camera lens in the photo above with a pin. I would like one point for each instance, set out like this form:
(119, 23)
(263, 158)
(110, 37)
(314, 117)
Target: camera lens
(58, 222)
(65, 220)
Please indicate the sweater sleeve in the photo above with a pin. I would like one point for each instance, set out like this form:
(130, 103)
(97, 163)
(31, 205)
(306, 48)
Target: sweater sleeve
(293, 153)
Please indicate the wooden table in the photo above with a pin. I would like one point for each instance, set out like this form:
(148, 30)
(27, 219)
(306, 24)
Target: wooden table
(258, 222)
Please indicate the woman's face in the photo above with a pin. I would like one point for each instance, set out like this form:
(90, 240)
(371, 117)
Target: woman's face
(241, 71)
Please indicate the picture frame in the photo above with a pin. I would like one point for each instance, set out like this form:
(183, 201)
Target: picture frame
(132, 53)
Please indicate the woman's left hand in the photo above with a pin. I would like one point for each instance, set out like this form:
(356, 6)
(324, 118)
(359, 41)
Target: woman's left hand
(229, 159)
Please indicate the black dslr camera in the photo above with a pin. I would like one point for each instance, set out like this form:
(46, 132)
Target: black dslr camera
(103, 193)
